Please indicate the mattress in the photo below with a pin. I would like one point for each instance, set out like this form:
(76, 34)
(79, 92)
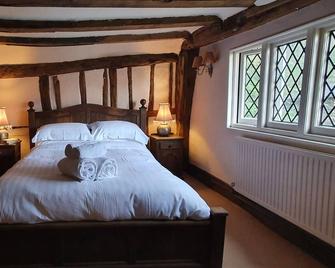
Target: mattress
(35, 191)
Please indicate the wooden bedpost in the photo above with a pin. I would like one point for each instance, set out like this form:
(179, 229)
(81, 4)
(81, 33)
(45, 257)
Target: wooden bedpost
(32, 122)
(218, 226)
(143, 116)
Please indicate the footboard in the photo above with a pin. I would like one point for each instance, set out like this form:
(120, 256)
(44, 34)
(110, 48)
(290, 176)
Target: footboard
(116, 244)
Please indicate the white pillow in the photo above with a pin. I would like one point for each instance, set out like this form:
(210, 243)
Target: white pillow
(116, 130)
(63, 132)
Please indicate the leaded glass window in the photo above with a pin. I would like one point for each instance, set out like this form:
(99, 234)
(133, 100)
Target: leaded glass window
(327, 117)
(249, 90)
(288, 81)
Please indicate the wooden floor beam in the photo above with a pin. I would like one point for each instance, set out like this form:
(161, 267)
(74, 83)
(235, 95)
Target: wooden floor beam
(244, 21)
(37, 26)
(91, 40)
(55, 68)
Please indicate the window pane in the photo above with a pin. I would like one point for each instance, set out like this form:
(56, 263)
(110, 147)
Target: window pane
(288, 81)
(328, 97)
(251, 72)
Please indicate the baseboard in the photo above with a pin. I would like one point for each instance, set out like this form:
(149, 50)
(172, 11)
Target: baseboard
(312, 245)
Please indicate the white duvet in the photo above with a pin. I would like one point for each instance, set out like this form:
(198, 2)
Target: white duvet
(35, 191)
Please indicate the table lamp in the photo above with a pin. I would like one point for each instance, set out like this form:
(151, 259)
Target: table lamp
(164, 117)
(3, 124)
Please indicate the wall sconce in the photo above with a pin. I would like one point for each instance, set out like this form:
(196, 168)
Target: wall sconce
(204, 64)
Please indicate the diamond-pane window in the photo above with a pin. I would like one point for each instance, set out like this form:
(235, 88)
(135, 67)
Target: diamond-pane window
(328, 96)
(288, 81)
(251, 72)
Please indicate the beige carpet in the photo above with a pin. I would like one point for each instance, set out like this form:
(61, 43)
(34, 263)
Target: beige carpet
(249, 243)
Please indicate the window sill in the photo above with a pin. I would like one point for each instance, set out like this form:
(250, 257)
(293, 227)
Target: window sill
(306, 141)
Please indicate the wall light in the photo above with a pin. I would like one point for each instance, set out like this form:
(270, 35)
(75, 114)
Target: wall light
(204, 64)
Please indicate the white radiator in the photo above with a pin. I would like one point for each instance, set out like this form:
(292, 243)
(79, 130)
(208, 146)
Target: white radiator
(297, 184)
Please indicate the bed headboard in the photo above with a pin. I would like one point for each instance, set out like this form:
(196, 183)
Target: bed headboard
(85, 113)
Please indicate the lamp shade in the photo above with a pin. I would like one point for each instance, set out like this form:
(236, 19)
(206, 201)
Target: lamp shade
(164, 113)
(3, 117)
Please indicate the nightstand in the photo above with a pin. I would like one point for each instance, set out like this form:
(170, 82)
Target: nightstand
(168, 151)
(9, 155)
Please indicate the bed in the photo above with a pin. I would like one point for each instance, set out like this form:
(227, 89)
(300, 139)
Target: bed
(119, 240)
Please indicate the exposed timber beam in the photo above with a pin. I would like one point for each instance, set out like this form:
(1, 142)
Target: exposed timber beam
(244, 21)
(128, 3)
(55, 68)
(34, 26)
(91, 40)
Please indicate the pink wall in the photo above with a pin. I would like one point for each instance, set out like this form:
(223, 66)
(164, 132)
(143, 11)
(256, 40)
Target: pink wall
(211, 142)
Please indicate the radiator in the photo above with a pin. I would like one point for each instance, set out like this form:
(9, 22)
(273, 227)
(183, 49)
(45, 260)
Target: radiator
(297, 184)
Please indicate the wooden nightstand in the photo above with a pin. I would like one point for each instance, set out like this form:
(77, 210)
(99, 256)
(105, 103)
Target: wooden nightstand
(9, 155)
(168, 151)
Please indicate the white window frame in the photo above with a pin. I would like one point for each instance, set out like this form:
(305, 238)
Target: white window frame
(306, 128)
(271, 86)
(315, 128)
(241, 90)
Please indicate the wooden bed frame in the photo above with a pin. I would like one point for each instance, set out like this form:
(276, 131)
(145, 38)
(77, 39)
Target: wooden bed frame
(134, 243)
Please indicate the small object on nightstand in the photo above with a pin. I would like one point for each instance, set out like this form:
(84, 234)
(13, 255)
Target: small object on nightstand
(9, 155)
(4, 125)
(164, 117)
(168, 151)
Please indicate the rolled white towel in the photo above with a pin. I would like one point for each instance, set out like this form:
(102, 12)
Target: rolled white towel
(87, 150)
(108, 169)
(81, 169)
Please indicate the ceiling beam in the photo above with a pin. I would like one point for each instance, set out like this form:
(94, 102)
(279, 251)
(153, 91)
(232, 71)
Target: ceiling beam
(33, 26)
(90, 40)
(56, 68)
(244, 21)
(128, 3)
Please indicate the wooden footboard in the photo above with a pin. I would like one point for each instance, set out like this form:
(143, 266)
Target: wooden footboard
(116, 244)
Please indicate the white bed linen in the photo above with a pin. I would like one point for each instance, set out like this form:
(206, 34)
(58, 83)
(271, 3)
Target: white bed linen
(35, 191)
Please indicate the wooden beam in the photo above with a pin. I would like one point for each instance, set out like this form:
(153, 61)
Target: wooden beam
(45, 93)
(57, 92)
(91, 40)
(34, 26)
(38, 69)
(152, 88)
(113, 87)
(105, 88)
(82, 87)
(184, 92)
(244, 21)
(128, 3)
(170, 84)
(130, 87)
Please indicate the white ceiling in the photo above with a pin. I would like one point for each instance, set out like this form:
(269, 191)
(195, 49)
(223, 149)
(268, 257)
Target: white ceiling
(51, 13)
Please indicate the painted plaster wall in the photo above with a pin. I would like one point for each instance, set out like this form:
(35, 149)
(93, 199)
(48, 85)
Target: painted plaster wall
(15, 93)
(211, 142)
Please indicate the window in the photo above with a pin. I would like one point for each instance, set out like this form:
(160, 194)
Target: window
(285, 84)
(327, 117)
(288, 81)
(249, 87)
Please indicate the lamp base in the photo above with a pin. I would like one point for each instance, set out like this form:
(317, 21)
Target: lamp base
(163, 130)
(3, 135)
